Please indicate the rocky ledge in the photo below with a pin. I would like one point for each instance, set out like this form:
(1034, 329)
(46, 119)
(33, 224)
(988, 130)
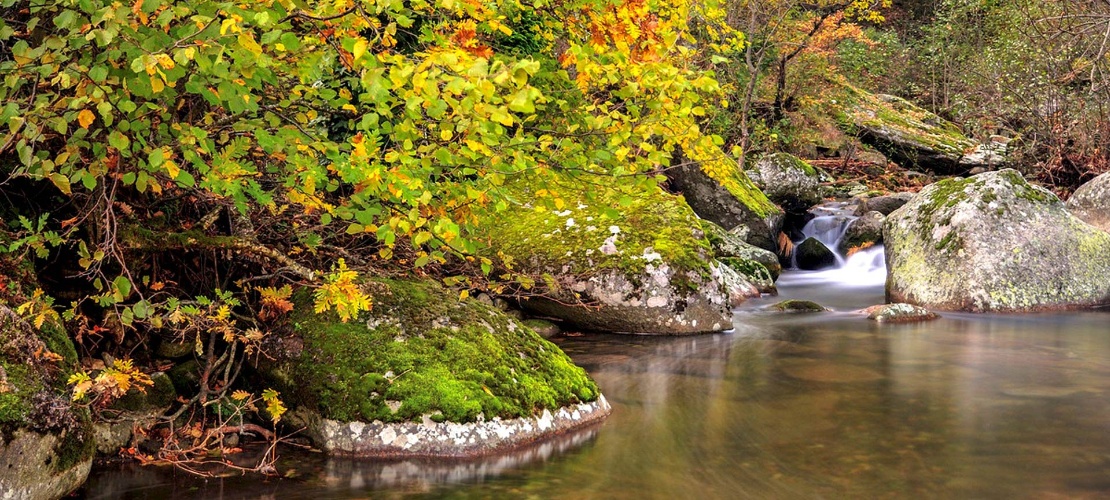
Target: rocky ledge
(449, 439)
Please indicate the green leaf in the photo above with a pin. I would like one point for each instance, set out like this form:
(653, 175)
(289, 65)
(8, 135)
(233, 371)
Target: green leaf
(122, 287)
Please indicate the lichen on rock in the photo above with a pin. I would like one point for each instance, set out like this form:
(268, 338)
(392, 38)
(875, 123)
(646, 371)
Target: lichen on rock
(993, 242)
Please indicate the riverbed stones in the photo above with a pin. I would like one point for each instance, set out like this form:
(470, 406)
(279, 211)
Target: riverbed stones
(382, 384)
(728, 198)
(812, 255)
(1091, 202)
(46, 446)
(608, 262)
(899, 313)
(993, 242)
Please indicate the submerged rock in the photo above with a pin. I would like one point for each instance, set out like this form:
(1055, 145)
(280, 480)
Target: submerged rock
(899, 313)
(730, 200)
(425, 373)
(812, 255)
(640, 267)
(993, 242)
(46, 445)
(788, 181)
(1091, 202)
(864, 232)
(798, 306)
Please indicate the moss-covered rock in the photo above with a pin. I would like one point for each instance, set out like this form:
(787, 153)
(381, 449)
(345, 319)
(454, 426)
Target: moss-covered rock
(812, 255)
(422, 353)
(797, 306)
(788, 181)
(1091, 202)
(993, 242)
(739, 287)
(46, 445)
(910, 135)
(641, 266)
(730, 248)
(730, 200)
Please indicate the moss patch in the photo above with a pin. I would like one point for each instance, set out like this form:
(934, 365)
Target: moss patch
(597, 229)
(422, 351)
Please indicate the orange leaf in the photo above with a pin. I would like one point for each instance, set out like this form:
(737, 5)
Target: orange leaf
(85, 118)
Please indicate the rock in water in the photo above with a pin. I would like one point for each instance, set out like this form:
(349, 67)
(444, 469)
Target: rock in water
(728, 245)
(800, 306)
(899, 313)
(1091, 202)
(642, 267)
(788, 181)
(812, 255)
(993, 242)
(731, 201)
(46, 445)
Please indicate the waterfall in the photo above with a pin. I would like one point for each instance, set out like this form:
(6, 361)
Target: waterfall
(866, 267)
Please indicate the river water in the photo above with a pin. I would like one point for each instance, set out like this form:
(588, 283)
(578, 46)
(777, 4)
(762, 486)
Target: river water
(819, 405)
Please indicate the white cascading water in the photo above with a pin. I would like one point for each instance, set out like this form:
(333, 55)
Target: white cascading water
(864, 268)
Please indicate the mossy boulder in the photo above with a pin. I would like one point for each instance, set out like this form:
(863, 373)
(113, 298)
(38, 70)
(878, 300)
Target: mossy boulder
(788, 181)
(729, 247)
(730, 200)
(739, 287)
(1091, 202)
(812, 255)
(46, 445)
(631, 262)
(993, 242)
(910, 135)
(420, 355)
(864, 232)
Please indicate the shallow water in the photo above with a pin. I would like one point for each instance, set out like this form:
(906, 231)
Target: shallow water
(825, 405)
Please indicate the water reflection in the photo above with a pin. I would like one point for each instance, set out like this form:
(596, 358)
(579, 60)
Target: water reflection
(789, 406)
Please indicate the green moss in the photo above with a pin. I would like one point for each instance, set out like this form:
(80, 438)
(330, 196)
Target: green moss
(649, 225)
(433, 354)
(158, 396)
(798, 306)
(861, 108)
(754, 271)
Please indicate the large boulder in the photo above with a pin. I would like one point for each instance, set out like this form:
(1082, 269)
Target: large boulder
(788, 181)
(728, 199)
(425, 373)
(1091, 202)
(912, 136)
(864, 232)
(46, 445)
(727, 245)
(642, 266)
(993, 242)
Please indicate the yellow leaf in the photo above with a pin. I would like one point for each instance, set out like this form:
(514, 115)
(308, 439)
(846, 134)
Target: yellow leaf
(85, 118)
(156, 84)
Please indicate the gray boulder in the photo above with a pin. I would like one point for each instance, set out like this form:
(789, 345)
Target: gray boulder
(731, 201)
(788, 181)
(1091, 202)
(884, 204)
(727, 245)
(862, 233)
(812, 255)
(993, 242)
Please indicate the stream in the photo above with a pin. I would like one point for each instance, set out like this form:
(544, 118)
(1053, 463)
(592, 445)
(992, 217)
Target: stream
(825, 405)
